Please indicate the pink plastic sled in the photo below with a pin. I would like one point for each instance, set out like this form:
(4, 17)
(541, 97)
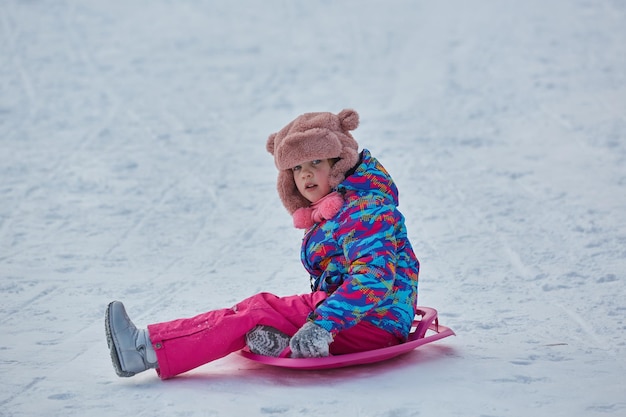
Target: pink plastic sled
(417, 338)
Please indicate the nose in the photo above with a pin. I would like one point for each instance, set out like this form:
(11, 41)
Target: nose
(306, 173)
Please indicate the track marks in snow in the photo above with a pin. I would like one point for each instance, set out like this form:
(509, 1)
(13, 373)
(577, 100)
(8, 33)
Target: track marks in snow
(53, 167)
(23, 391)
(27, 304)
(540, 277)
(11, 38)
(139, 218)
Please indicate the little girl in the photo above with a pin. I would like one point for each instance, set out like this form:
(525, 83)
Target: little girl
(362, 268)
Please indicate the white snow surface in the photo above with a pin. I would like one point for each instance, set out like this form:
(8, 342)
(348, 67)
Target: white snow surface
(133, 167)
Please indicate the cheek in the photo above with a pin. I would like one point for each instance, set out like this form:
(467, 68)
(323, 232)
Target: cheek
(326, 184)
(328, 177)
(299, 182)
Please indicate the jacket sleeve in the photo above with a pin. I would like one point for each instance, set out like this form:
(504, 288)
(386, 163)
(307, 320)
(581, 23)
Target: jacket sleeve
(367, 236)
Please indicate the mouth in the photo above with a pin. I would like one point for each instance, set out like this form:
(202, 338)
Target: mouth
(310, 186)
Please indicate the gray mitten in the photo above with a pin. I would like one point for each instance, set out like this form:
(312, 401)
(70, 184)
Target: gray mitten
(311, 341)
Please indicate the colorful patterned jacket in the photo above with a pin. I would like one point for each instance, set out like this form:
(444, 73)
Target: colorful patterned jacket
(362, 257)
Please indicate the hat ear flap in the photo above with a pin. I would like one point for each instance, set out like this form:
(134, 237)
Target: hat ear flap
(270, 143)
(349, 119)
(348, 159)
(288, 192)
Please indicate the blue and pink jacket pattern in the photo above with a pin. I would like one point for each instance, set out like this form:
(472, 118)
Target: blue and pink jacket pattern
(362, 257)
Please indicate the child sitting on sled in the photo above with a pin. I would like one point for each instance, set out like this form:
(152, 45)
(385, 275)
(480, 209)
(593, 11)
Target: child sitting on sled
(364, 274)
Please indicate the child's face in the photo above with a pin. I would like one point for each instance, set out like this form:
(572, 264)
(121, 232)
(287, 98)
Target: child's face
(312, 179)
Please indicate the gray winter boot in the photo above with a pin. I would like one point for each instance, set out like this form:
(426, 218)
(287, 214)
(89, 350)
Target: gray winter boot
(266, 341)
(131, 349)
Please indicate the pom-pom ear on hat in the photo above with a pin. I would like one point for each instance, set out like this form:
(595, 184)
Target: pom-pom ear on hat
(308, 137)
(349, 119)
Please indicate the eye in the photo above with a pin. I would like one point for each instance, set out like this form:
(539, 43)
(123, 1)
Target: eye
(316, 162)
(296, 168)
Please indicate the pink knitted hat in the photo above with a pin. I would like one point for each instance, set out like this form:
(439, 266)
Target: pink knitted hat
(308, 137)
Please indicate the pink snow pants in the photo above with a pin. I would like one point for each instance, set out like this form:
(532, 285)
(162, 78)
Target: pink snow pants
(184, 344)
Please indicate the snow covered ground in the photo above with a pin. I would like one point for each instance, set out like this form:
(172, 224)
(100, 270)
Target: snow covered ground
(133, 167)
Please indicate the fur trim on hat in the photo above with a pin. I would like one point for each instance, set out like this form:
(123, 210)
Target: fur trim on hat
(309, 137)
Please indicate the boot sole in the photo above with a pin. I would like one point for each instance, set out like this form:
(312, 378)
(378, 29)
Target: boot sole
(112, 349)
